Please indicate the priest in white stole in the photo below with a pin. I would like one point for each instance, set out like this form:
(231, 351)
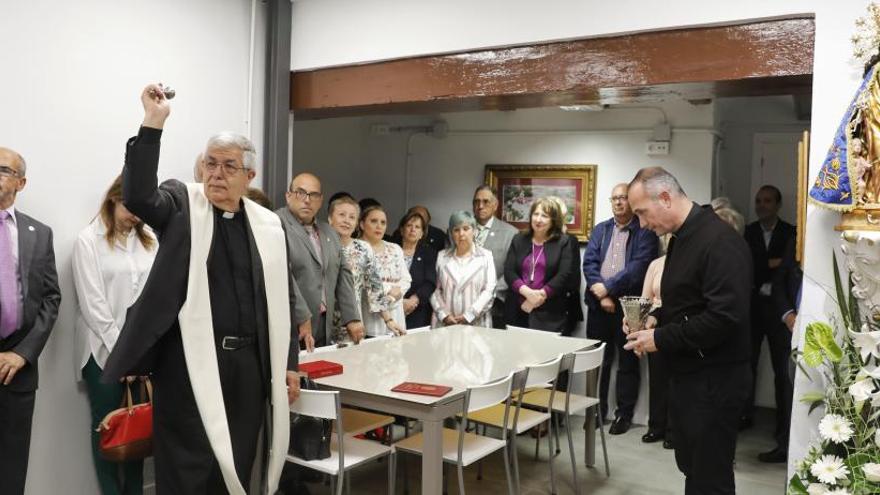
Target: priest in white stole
(213, 323)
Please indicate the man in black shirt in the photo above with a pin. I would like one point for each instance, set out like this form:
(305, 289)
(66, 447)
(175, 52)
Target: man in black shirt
(704, 327)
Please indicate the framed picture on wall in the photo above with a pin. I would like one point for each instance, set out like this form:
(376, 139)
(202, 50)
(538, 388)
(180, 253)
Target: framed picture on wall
(519, 185)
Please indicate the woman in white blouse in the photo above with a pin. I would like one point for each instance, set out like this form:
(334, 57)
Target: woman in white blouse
(465, 278)
(111, 261)
(368, 288)
(392, 269)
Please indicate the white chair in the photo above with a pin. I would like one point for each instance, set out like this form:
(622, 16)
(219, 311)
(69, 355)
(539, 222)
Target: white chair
(462, 448)
(582, 362)
(356, 421)
(539, 375)
(345, 452)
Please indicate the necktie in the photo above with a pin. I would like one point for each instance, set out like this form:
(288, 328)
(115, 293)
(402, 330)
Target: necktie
(8, 282)
(482, 234)
(316, 243)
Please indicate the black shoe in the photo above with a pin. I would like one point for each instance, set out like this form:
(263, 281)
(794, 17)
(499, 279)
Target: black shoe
(667, 444)
(776, 455)
(745, 422)
(652, 436)
(620, 426)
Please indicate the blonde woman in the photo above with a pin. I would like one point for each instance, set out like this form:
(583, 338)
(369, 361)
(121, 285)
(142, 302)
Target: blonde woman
(112, 258)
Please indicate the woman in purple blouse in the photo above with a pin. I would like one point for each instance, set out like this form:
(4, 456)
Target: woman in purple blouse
(538, 268)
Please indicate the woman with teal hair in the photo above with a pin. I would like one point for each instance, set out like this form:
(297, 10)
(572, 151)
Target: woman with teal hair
(465, 277)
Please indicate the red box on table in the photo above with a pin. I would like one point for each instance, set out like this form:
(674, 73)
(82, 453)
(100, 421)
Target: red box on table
(320, 369)
(422, 389)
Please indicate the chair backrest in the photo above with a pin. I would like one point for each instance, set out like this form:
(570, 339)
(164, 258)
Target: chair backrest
(483, 396)
(588, 360)
(540, 374)
(317, 403)
(418, 330)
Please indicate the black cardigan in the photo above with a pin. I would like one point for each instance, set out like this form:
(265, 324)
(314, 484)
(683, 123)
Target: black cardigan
(561, 264)
(423, 271)
(706, 293)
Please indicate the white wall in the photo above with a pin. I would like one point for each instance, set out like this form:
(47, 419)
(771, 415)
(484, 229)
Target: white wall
(739, 120)
(444, 172)
(334, 32)
(72, 76)
(339, 32)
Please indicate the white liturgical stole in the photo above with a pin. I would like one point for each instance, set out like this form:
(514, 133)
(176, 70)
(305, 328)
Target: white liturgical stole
(197, 332)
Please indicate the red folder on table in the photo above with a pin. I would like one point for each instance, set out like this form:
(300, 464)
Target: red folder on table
(422, 389)
(320, 369)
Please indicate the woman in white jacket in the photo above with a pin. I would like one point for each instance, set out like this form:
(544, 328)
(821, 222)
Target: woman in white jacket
(111, 261)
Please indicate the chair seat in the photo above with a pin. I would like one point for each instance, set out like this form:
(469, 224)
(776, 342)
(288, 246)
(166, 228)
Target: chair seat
(494, 416)
(475, 447)
(357, 452)
(539, 398)
(358, 422)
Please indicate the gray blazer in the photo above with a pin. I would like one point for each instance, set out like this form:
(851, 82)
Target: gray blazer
(498, 242)
(328, 275)
(40, 296)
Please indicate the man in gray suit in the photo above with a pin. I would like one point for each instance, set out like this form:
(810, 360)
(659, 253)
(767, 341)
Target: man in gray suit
(317, 262)
(29, 299)
(495, 235)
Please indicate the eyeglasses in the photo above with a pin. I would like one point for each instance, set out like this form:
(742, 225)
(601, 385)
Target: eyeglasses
(622, 197)
(229, 168)
(479, 202)
(8, 171)
(303, 195)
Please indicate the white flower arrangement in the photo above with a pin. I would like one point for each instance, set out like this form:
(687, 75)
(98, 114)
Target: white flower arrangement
(846, 456)
(829, 469)
(835, 428)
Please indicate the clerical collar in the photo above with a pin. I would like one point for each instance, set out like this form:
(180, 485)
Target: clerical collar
(228, 215)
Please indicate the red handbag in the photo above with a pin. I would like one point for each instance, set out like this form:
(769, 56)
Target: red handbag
(127, 432)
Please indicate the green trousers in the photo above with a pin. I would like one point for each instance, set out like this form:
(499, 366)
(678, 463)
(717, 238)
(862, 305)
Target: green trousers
(115, 478)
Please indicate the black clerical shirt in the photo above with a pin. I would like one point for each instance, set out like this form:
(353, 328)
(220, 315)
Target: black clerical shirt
(230, 277)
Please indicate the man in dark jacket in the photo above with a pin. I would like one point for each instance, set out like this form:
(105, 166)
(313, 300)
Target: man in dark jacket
(615, 262)
(767, 238)
(704, 336)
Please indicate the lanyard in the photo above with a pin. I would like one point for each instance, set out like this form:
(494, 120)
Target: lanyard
(535, 262)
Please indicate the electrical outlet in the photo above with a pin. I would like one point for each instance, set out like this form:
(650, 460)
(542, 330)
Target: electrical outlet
(380, 129)
(654, 148)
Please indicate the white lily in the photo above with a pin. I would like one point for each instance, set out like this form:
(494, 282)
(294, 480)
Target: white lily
(862, 389)
(872, 471)
(868, 343)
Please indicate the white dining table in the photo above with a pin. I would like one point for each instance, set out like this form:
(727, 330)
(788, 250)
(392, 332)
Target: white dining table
(457, 356)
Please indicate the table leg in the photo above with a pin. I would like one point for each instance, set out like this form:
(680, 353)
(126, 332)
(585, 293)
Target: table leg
(432, 457)
(590, 433)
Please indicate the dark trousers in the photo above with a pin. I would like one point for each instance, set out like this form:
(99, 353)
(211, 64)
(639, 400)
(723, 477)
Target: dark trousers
(658, 393)
(16, 413)
(607, 328)
(184, 460)
(499, 319)
(706, 406)
(113, 477)
(766, 323)
(319, 332)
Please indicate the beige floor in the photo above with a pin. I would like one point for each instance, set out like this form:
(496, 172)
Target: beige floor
(636, 468)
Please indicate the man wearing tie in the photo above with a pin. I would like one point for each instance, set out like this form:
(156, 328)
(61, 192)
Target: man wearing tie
(316, 260)
(29, 299)
(495, 235)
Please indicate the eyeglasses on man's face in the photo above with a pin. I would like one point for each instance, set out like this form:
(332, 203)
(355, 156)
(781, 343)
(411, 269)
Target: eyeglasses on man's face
(6, 171)
(229, 167)
(303, 195)
(620, 197)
